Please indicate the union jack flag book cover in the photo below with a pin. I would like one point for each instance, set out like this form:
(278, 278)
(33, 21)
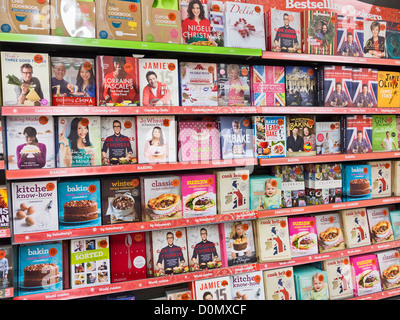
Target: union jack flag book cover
(365, 88)
(350, 36)
(337, 82)
(358, 134)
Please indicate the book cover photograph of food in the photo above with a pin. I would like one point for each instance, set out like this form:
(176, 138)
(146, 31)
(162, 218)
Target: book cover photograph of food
(366, 275)
(268, 86)
(279, 284)
(236, 133)
(380, 227)
(330, 234)
(269, 136)
(233, 85)
(357, 182)
(248, 286)
(30, 142)
(303, 236)
(389, 267)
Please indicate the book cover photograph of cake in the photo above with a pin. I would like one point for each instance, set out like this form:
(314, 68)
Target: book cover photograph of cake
(357, 134)
(25, 79)
(159, 82)
(303, 236)
(269, 136)
(379, 223)
(244, 25)
(79, 203)
(34, 206)
(161, 198)
(156, 139)
(388, 86)
(384, 133)
(118, 140)
(169, 252)
(389, 267)
(340, 282)
(30, 142)
(283, 31)
(120, 199)
(330, 235)
(355, 228)
(338, 81)
(238, 237)
(204, 251)
(365, 87)
(198, 140)
(366, 275)
(301, 86)
(279, 284)
(374, 39)
(199, 86)
(73, 82)
(248, 286)
(233, 190)
(8, 268)
(213, 289)
(350, 36)
(357, 182)
(117, 81)
(293, 185)
(79, 142)
(233, 85)
(267, 86)
(272, 239)
(89, 262)
(40, 268)
(300, 136)
(236, 134)
(265, 192)
(199, 195)
(381, 178)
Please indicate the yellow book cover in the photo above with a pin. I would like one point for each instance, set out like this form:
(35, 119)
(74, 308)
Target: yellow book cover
(388, 89)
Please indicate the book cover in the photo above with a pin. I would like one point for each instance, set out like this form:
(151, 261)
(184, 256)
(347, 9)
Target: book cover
(392, 40)
(117, 81)
(395, 221)
(118, 140)
(269, 136)
(213, 289)
(365, 87)
(236, 133)
(248, 286)
(340, 282)
(283, 31)
(78, 141)
(374, 39)
(30, 142)
(4, 209)
(328, 137)
(293, 185)
(301, 86)
(355, 227)
(311, 283)
(389, 267)
(303, 236)
(204, 247)
(90, 262)
(79, 203)
(381, 177)
(199, 86)
(179, 294)
(216, 10)
(198, 141)
(156, 139)
(301, 138)
(384, 133)
(279, 284)
(358, 134)
(388, 89)
(357, 182)
(158, 82)
(25, 79)
(73, 82)
(380, 226)
(34, 206)
(120, 200)
(319, 28)
(244, 25)
(265, 192)
(330, 235)
(338, 82)
(267, 86)
(233, 85)
(350, 36)
(8, 269)
(366, 275)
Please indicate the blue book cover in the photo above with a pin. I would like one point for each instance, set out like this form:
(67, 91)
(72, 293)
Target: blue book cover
(236, 137)
(357, 184)
(40, 268)
(79, 204)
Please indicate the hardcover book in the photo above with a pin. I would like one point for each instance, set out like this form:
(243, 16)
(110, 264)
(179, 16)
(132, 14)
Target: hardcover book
(269, 136)
(357, 182)
(389, 263)
(374, 39)
(213, 289)
(293, 185)
(350, 36)
(392, 40)
(340, 280)
(233, 85)
(328, 137)
(265, 192)
(355, 227)
(301, 139)
(357, 134)
(384, 133)
(4, 209)
(379, 223)
(248, 286)
(388, 89)
(267, 86)
(303, 236)
(395, 221)
(279, 284)
(365, 87)
(236, 133)
(381, 177)
(301, 86)
(330, 234)
(8, 269)
(366, 275)
(337, 86)
(216, 17)
(311, 283)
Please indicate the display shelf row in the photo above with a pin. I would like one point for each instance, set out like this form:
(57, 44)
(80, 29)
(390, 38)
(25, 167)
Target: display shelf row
(185, 222)
(185, 110)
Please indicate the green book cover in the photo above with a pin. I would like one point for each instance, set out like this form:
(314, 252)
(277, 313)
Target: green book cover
(384, 133)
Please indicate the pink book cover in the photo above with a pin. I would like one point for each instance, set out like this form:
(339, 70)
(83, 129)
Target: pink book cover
(303, 236)
(199, 195)
(366, 277)
(267, 85)
(198, 140)
(128, 257)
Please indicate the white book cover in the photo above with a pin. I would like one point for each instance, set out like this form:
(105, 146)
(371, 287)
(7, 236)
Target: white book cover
(213, 289)
(279, 284)
(340, 283)
(328, 137)
(355, 227)
(248, 286)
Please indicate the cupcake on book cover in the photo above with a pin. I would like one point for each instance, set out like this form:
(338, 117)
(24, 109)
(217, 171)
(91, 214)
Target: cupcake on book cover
(279, 284)
(328, 137)
(204, 247)
(73, 82)
(269, 136)
(169, 252)
(366, 275)
(350, 36)
(79, 203)
(374, 39)
(199, 85)
(379, 223)
(117, 81)
(358, 134)
(388, 86)
(34, 206)
(301, 138)
(233, 85)
(120, 200)
(40, 268)
(301, 86)
(389, 267)
(89, 262)
(25, 79)
(158, 82)
(384, 133)
(156, 139)
(365, 87)
(79, 142)
(244, 25)
(239, 242)
(7, 269)
(283, 31)
(303, 236)
(118, 140)
(30, 142)
(248, 286)
(267, 86)
(236, 134)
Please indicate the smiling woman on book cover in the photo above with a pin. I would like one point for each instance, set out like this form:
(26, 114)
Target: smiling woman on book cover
(156, 148)
(375, 46)
(196, 28)
(31, 154)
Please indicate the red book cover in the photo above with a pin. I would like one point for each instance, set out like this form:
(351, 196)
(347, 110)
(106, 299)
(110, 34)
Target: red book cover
(365, 87)
(128, 257)
(338, 82)
(117, 81)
